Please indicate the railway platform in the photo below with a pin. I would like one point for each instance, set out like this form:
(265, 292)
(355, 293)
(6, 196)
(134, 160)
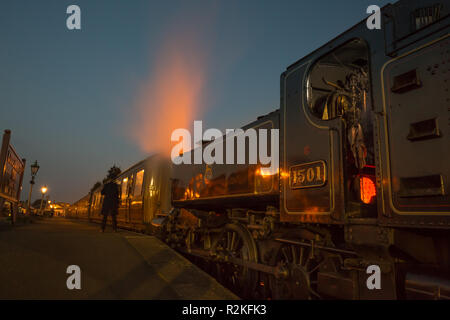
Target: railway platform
(34, 259)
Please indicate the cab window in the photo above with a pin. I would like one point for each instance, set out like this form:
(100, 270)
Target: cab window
(338, 83)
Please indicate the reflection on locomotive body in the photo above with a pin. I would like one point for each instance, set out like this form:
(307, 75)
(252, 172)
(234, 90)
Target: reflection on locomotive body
(222, 186)
(364, 175)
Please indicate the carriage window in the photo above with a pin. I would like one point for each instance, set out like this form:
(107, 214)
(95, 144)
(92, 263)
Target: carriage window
(94, 200)
(138, 185)
(97, 199)
(339, 82)
(124, 188)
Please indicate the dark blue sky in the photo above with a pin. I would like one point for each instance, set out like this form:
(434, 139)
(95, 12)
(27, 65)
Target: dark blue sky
(73, 98)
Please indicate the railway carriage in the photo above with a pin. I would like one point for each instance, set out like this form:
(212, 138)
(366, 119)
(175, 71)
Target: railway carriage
(79, 209)
(144, 194)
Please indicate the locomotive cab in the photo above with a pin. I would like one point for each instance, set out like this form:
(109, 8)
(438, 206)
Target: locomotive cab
(364, 143)
(332, 103)
(338, 87)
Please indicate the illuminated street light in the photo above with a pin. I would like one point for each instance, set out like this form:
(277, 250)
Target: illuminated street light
(43, 190)
(34, 171)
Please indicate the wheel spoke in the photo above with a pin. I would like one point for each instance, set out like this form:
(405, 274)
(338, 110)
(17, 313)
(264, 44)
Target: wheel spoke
(316, 267)
(233, 241)
(314, 293)
(300, 260)
(294, 255)
(284, 250)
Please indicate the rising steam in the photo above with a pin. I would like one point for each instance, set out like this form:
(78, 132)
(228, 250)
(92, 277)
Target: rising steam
(171, 98)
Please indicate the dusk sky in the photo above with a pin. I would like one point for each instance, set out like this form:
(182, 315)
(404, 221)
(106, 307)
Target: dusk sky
(79, 101)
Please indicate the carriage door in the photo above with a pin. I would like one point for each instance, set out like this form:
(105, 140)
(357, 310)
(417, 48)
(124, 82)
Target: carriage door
(124, 206)
(136, 199)
(416, 101)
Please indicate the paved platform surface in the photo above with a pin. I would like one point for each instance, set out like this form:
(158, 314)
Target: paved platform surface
(123, 265)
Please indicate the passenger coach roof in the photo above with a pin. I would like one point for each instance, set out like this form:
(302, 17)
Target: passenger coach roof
(132, 167)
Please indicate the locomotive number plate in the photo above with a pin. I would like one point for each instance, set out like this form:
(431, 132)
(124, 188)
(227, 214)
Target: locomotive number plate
(308, 175)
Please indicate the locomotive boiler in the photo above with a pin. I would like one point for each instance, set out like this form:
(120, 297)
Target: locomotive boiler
(222, 186)
(363, 178)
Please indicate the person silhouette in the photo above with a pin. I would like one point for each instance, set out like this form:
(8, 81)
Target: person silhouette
(110, 206)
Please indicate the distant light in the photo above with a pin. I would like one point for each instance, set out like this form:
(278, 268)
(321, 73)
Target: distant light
(44, 189)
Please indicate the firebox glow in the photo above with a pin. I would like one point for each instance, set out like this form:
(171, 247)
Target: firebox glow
(368, 190)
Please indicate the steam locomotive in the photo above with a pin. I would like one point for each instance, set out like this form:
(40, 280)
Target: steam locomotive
(364, 175)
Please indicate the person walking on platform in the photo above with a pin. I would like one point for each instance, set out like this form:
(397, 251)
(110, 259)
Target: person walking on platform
(110, 206)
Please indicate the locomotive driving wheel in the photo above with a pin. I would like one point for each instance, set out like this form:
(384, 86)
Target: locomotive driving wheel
(298, 273)
(235, 242)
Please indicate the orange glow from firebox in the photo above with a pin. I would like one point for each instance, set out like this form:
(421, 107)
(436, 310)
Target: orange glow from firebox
(368, 189)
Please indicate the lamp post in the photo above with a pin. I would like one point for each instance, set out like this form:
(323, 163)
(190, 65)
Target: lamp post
(34, 171)
(43, 190)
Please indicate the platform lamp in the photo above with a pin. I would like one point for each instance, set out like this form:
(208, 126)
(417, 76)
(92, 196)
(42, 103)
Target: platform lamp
(34, 171)
(43, 190)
